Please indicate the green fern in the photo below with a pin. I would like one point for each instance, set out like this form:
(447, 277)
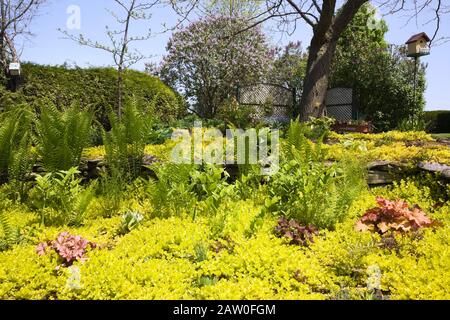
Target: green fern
(62, 136)
(125, 142)
(11, 235)
(21, 165)
(310, 190)
(171, 191)
(14, 126)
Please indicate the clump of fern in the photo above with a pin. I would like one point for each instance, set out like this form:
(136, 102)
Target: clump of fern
(20, 168)
(61, 136)
(310, 190)
(60, 199)
(125, 142)
(10, 235)
(171, 193)
(15, 128)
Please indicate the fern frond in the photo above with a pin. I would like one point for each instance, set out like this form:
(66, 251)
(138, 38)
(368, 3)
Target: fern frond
(10, 235)
(62, 136)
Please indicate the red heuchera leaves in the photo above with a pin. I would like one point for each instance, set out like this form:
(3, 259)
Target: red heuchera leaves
(68, 247)
(298, 234)
(393, 216)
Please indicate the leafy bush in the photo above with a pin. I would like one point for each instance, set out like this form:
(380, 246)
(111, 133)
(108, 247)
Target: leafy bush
(95, 88)
(393, 216)
(239, 116)
(320, 127)
(209, 185)
(439, 121)
(381, 75)
(60, 198)
(416, 123)
(62, 136)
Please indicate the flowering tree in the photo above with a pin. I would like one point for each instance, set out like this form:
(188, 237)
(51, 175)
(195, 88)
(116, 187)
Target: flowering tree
(207, 60)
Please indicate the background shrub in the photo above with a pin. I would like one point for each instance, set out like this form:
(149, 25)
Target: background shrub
(93, 87)
(439, 121)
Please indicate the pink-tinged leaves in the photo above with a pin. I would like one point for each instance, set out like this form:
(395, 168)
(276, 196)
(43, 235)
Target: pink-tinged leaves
(296, 233)
(41, 248)
(394, 216)
(69, 248)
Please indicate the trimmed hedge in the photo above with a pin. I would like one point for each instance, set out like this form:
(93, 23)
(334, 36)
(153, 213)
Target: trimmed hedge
(95, 88)
(439, 121)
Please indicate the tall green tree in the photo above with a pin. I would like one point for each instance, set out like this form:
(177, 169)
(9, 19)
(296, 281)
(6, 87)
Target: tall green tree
(381, 75)
(328, 19)
(289, 67)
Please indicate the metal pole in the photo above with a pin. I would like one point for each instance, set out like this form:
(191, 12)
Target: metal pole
(415, 79)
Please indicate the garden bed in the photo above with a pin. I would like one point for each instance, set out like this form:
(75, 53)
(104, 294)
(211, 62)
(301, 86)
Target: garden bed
(191, 233)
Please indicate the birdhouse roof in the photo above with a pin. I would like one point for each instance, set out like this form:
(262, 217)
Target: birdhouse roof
(417, 37)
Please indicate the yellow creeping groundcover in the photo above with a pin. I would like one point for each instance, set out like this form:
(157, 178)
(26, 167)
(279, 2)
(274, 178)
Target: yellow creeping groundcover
(184, 258)
(212, 239)
(406, 147)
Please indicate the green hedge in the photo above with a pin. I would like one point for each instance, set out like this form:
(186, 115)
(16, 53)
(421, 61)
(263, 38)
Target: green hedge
(439, 121)
(94, 87)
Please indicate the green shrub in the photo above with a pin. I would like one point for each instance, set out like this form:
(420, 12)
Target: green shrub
(416, 123)
(320, 127)
(439, 121)
(239, 116)
(96, 88)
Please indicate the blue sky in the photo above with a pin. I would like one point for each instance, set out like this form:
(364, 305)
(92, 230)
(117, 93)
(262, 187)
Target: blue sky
(49, 47)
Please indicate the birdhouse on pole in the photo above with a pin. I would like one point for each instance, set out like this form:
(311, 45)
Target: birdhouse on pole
(418, 45)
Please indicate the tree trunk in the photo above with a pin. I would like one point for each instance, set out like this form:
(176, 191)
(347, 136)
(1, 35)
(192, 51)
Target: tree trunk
(119, 91)
(2, 36)
(321, 54)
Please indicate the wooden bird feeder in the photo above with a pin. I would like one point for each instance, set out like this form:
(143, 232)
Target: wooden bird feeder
(418, 45)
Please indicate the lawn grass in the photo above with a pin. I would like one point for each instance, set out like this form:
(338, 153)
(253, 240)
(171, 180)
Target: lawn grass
(441, 136)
